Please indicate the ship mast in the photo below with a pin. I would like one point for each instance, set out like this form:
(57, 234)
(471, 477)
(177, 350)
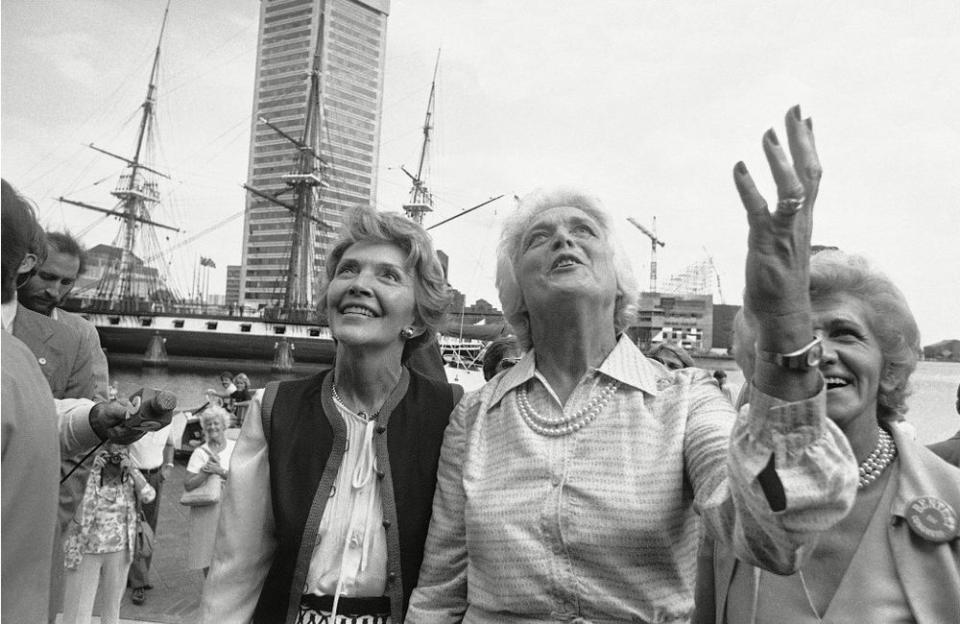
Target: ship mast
(136, 189)
(421, 200)
(305, 182)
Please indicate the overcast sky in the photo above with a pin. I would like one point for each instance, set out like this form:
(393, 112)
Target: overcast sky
(646, 104)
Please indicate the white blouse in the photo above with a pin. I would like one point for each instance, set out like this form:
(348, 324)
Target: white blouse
(350, 555)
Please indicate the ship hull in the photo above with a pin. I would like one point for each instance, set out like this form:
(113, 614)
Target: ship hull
(213, 337)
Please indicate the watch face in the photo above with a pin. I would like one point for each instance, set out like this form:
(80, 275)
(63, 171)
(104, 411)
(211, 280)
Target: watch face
(814, 355)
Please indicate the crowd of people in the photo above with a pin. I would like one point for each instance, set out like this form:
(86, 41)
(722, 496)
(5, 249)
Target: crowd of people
(586, 481)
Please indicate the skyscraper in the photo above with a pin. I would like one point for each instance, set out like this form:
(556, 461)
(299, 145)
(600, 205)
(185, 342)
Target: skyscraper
(350, 36)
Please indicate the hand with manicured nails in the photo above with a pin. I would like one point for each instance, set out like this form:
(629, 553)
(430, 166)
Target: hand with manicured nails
(777, 293)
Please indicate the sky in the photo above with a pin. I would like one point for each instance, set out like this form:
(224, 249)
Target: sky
(647, 105)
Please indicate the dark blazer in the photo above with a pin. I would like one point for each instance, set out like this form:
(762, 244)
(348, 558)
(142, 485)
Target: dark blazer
(59, 352)
(929, 572)
(307, 442)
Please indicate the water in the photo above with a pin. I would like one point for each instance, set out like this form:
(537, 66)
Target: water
(932, 409)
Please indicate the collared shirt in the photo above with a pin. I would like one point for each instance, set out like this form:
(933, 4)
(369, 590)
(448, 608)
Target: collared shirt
(602, 524)
(147, 452)
(9, 310)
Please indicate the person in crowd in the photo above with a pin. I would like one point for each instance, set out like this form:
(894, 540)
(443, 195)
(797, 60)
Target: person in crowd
(152, 455)
(209, 461)
(66, 362)
(224, 396)
(241, 399)
(671, 355)
(99, 546)
(500, 355)
(31, 451)
(50, 286)
(728, 391)
(895, 557)
(949, 449)
(327, 508)
(882, 562)
(36, 428)
(44, 292)
(569, 486)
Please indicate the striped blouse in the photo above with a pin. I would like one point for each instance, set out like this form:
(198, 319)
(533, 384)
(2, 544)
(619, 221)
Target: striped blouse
(602, 525)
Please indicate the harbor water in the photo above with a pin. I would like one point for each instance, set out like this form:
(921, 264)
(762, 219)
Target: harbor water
(932, 409)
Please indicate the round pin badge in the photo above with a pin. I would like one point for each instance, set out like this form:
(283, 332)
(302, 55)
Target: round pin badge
(932, 519)
(42, 361)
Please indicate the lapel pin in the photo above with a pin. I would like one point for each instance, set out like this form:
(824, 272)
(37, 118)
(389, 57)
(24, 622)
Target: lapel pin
(42, 361)
(932, 519)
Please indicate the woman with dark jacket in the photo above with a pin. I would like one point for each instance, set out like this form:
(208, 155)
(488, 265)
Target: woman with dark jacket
(332, 479)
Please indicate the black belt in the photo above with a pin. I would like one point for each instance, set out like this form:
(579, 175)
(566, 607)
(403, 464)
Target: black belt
(348, 605)
(151, 470)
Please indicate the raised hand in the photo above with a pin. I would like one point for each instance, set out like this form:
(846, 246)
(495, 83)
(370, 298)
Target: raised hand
(777, 293)
(778, 255)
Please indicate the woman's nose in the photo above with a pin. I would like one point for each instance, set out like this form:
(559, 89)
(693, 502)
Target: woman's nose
(360, 284)
(829, 353)
(562, 238)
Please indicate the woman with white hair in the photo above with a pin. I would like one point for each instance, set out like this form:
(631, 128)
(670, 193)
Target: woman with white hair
(569, 486)
(209, 461)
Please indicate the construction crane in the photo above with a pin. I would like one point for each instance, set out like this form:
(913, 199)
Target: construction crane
(654, 241)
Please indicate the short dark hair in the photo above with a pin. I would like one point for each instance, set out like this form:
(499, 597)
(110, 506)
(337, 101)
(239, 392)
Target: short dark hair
(20, 231)
(65, 243)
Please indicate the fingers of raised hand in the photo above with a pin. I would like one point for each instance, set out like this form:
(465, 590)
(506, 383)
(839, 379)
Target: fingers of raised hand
(803, 150)
(751, 198)
(789, 187)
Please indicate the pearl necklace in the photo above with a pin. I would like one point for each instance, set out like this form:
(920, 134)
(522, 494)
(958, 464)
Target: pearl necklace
(564, 425)
(875, 463)
(362, 414)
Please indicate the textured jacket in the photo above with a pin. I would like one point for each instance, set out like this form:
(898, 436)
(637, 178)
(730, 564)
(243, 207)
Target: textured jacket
(281, 480)
(929, 572)
(59, 352)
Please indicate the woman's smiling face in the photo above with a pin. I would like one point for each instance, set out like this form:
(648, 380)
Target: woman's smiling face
(853, 363)
(371, 297)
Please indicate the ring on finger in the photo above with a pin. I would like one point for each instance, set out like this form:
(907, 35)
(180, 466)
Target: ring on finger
(790, 205)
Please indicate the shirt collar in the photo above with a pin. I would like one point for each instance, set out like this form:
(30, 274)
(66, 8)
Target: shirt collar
(625, 363)
(9, 310)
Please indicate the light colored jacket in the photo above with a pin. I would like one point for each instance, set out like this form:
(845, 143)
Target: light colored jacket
(929, 572)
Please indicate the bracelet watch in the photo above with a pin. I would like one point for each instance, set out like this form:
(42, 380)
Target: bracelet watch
(802, 359)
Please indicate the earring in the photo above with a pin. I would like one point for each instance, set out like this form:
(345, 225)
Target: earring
(406, 333)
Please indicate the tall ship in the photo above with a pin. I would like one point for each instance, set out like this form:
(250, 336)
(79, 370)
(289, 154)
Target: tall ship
(137, 310)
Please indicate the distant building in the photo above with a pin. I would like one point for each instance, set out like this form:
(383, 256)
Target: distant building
(723, 315)
(684, 319)
(943, 350)
(352, 34)
(232, 291)
(104, 261)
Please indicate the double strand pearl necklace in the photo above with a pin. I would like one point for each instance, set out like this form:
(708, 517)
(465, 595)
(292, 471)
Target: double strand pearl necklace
(875, 463)
(362, 414)
(564, 425)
